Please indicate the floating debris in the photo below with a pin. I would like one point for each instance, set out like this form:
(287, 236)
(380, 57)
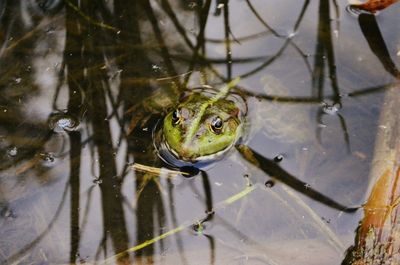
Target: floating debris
(198, 228)
(369, 7)
(47, 157)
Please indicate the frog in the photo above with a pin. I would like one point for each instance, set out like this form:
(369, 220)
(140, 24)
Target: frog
(205, 125)
(197, 129)
(208, 123)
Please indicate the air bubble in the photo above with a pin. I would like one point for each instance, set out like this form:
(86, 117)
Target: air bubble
(269, 183)
(62, 122)
(278, 158)
(328, 221)
(7, 213)
(12, 151)
(156, 68)
(290, 35)
(210, 212)
(97, 181)
(330, 109)
(192, 5)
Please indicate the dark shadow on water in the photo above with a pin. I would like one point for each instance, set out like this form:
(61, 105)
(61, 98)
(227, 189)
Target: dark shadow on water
(271, 168)
(85, 77)
(325, 56)
(373, 35)
(74, 182)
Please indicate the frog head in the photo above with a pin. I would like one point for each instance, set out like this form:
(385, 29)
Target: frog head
(201, 128)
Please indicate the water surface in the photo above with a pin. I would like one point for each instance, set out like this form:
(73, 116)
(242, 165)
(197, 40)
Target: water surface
(84, 83)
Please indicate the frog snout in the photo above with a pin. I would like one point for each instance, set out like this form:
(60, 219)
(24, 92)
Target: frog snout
(187, 153)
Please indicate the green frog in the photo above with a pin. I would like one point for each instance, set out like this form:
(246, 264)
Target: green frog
(205, 124)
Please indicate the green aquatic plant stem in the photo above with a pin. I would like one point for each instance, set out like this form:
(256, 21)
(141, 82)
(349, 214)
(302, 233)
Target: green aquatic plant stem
(237, 196)
(196, 121)
(183, 226)
(146, 243)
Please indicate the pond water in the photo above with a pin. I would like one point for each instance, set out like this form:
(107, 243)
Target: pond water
(85, 84)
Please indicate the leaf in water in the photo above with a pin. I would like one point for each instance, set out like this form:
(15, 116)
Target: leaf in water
(373, 5)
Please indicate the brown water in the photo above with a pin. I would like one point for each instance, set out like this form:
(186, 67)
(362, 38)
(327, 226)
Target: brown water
(83, 86)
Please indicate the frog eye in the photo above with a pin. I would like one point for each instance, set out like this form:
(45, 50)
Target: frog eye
(176, 117)
(216, 125)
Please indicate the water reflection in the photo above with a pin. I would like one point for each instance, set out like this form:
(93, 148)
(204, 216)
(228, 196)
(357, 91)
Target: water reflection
(375, 40)
(86, 81)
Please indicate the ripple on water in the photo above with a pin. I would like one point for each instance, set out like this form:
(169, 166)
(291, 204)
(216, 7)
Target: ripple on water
(12, 151)
(61, 121)
(269, 183)
(330, 109)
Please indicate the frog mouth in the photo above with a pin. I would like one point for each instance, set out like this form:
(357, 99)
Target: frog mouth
(165, 151)
(198, 158)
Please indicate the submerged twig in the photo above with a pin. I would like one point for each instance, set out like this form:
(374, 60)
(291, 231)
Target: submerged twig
(377, 239)
(156, 170)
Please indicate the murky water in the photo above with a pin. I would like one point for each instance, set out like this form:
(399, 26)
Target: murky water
(84, 83)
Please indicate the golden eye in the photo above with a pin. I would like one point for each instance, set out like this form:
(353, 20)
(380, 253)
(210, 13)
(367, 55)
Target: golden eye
(216, 125)
(176, 117)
